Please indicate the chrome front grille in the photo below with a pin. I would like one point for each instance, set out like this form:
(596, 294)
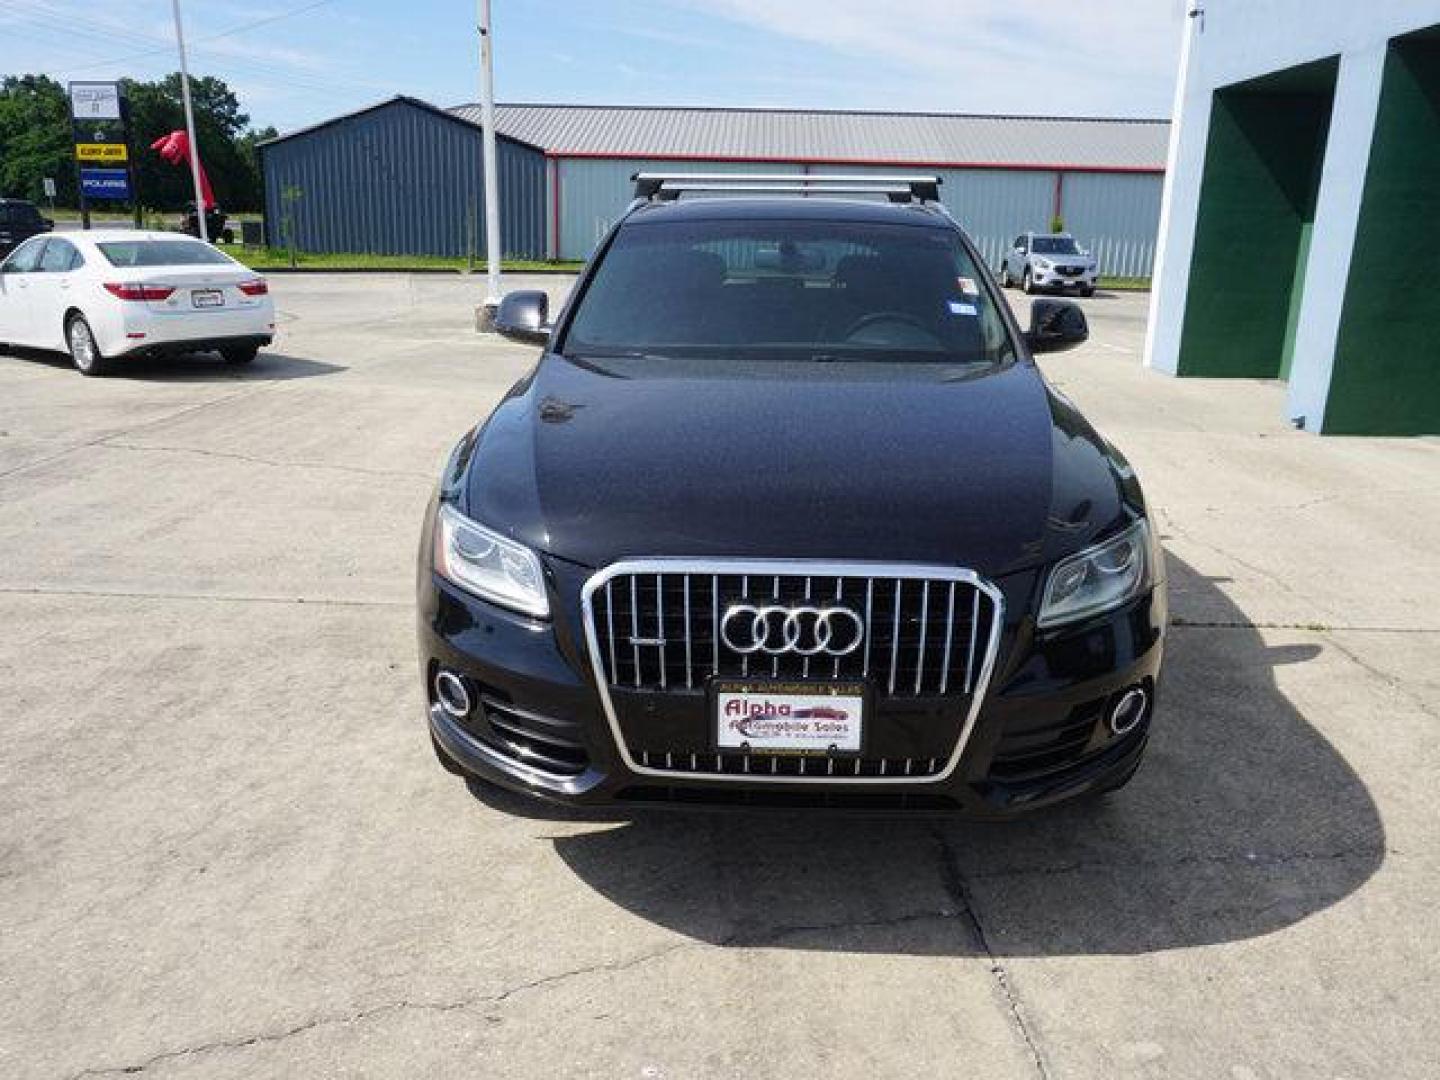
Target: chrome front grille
(654, 627)
(662, 630)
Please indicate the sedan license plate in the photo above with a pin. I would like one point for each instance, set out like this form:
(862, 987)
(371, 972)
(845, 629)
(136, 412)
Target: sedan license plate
(207, 298)
(756, 716)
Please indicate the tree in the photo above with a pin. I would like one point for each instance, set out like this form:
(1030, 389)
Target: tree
(36, 141)
(156, 109)
(35, 138)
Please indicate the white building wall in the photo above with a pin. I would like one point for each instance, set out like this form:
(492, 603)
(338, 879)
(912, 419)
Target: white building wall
(1231, 41)
(1337, 213)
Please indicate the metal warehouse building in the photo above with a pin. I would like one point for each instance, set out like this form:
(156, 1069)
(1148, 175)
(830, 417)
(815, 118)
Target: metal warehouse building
(399, 178)
(1001, 175)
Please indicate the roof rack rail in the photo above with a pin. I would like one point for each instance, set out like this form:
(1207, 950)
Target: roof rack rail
(665, 187)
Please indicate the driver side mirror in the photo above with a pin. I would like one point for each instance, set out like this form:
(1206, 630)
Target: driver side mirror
(524, 315)
(1056, 325)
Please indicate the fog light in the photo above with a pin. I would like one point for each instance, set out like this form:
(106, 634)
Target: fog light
(1129, 710)
(450, 692)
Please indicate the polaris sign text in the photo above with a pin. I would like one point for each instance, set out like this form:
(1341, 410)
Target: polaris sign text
(105, 183)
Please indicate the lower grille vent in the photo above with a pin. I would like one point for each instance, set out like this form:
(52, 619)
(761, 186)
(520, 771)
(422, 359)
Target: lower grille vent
(778, 765)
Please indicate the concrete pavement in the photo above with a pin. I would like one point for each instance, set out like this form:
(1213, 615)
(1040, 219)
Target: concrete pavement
(228, 851)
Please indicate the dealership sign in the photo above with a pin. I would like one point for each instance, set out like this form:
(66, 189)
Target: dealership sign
(105, 183)
(95, 100)
(118, 153)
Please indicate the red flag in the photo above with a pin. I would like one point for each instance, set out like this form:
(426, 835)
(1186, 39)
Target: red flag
(175, 148)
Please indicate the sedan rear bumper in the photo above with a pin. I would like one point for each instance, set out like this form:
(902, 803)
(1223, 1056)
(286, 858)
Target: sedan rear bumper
(142, 347)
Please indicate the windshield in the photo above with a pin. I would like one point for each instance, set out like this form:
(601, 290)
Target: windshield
(1055, 245)
(19, 214)
(162, 253)
(789, 290)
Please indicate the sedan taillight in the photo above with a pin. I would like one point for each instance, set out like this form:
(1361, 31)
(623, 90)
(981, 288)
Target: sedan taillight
(258, 287)
(138, 292)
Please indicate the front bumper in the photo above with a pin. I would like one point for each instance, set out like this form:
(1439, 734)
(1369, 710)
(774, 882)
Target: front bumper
(1054, 279)
(537, 724)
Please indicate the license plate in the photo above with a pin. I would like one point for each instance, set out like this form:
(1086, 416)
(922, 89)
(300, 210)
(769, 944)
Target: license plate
(791, 718)
(207, 298)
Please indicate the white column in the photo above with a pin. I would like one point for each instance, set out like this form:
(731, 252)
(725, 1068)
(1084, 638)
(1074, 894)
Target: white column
(1184, 171)
(1337, 213)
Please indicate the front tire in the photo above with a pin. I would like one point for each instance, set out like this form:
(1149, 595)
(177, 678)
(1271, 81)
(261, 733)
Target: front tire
(1027, 283)
(240, 354)
(84, 352)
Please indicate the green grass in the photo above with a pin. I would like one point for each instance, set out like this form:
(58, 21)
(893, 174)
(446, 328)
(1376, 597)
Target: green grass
(1124, 284)
(279, 259)
(60, 213)
(151, 219)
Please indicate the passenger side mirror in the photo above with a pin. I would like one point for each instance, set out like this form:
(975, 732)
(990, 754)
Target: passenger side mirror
(524, 315)
(1056, 325)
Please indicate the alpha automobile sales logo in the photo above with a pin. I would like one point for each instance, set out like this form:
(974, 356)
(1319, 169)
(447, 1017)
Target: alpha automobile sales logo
(762, 720)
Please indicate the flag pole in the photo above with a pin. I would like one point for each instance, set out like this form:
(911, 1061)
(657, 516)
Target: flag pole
(200, 207)
(490, 170)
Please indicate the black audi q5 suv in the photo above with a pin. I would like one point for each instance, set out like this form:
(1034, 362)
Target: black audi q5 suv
(786, 515)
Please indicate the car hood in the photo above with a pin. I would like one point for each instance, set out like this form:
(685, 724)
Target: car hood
(595, 461)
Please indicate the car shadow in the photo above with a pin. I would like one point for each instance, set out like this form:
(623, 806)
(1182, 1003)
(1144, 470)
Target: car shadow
(1243, 820)
(268, 366)
(200, 367)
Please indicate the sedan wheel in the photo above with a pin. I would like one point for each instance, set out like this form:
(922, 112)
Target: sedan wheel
(84, 353)
(239, 354)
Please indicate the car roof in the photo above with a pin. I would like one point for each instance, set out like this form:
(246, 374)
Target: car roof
(98, 236)
(811, 208)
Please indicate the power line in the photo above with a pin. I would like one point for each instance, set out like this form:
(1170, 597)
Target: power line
(240, 29)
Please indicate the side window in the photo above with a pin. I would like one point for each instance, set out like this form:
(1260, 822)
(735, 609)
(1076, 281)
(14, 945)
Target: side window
(58, 258)
(25, 258)
(76, 259)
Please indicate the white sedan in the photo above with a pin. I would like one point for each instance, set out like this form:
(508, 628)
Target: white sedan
(108, 294)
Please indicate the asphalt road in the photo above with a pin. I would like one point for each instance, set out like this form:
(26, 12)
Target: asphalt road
(228, 852)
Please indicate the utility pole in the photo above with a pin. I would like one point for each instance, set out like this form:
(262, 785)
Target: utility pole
(190, 123)
(486, 315)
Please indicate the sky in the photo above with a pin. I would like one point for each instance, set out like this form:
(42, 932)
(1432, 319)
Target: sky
(295, 62)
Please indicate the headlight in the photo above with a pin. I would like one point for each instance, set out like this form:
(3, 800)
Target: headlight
(1098, 578)
(483, 562)
(1042, 264)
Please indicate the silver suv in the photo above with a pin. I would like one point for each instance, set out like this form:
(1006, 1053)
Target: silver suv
(1049, 261)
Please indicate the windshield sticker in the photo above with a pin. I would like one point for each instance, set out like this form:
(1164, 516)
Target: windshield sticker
(958, 308)
(968, 286)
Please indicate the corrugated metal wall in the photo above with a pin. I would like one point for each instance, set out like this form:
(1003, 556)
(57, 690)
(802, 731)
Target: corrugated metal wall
(595, 191)
(402, 180)
(994, 205)
(1116, 215)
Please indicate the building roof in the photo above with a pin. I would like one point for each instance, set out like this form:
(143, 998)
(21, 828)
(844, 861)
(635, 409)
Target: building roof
(398, 99)
(937, 139)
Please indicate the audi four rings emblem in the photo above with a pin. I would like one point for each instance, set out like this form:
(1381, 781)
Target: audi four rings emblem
(806, 631)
